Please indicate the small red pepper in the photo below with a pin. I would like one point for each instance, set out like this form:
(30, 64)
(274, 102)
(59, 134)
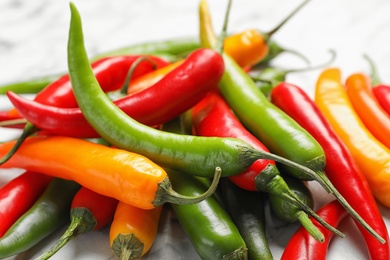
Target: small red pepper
(303, 246)
(17, 196)
(175, 93)
(89, 211)
(341, 168)
(110, 72)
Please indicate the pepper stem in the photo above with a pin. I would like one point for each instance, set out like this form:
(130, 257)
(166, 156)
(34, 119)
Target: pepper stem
(127, 246)
(28, 130)
(165, 193)
(82, 221)
(308, 225)
(285, 20)
(374, 74)
(133, 66)
(321, 178)
(222, 37)
(269, 180)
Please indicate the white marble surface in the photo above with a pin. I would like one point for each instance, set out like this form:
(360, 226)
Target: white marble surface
(33, 36)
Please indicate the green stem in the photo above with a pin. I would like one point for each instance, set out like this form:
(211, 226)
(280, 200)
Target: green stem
(285, 20)
(127, 247)
(222, 37)
(28, 130)
(13, 122)
(82, 221)
(308, 225)
(374, 74)
(165, 193)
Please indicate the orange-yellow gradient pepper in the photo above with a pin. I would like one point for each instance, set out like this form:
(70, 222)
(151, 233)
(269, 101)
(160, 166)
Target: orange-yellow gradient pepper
(116, 173)
(133, 230)
(374, 117)
(372, 157)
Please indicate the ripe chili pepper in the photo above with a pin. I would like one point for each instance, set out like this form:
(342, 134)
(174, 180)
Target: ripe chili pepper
(172, 95)
(248, 47)
(133, 230)
(48, 213)
(110, 72)
(116, 173)
(17, 196)
(302, 246)
(340, 168)
(373, 116)
(207, 224)
(192, 154)
(279, 132)
(371, 156)
(291, 213)
(89, 211)
(213, 117)
(247, 210)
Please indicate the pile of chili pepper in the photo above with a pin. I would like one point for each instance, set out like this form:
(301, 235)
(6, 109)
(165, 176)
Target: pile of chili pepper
(182, 126)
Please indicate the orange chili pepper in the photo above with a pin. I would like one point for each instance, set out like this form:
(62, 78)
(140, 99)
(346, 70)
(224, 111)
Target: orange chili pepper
(116, 173)
(133, 230)
(374, 117)
(248, 47)
(372, 157)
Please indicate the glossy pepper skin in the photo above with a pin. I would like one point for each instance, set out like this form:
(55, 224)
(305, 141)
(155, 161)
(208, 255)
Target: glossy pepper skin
(17, 196)
(116, 173)
(303, 246)
(133, 230)
(178, 91)
(48, 213)
(382, 94)
(89, 211)
(374, 117)
(247, 210)
(195, 155)
(207, 224)
(371, 156)
(341, 167)
(110, 72)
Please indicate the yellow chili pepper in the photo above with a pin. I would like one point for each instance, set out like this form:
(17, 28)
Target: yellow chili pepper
(372, 157)
(133, 230)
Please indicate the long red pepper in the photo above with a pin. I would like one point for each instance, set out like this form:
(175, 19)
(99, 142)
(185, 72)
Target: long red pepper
(178, 91)
(303, 246)
(89, 211)
(341, 168)
(110, 72)
(213, 117)
(18, 195)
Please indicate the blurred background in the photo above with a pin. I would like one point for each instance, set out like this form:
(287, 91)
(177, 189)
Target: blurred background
(33, 39)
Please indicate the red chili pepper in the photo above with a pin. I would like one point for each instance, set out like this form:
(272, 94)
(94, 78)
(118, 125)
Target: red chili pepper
(178, 91)
(341, 168)
(212, 117)
(110, 72)
(379, 90)
(303, 246)
(89, 211)
(17, 196)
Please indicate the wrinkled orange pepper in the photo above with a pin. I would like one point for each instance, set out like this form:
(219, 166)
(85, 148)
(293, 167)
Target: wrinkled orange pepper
(376, 119)
(372, 157)
(133, 230)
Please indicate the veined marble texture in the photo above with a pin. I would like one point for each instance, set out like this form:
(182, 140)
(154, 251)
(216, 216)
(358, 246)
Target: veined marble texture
(33, 39)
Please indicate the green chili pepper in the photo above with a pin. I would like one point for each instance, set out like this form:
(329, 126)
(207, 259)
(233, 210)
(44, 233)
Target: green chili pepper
(32, 86)
(247, 210)
(191, 154)
(207, 224)
(49, 213)
(291, 213)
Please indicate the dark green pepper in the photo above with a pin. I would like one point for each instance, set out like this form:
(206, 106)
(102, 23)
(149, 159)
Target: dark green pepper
(207, 224)
(247, 209)
(48, 213)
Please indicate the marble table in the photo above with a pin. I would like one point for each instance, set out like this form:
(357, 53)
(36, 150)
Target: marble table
(33, 38)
